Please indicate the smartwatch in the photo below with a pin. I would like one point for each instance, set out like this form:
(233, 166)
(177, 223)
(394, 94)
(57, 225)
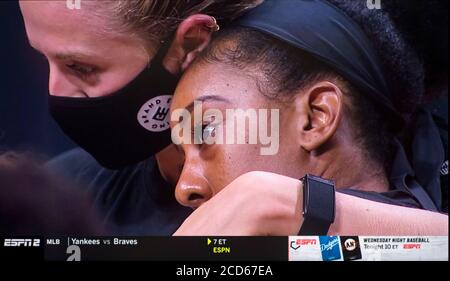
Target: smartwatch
(318, 205)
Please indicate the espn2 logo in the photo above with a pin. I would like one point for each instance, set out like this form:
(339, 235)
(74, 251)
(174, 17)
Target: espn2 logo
(22, 243)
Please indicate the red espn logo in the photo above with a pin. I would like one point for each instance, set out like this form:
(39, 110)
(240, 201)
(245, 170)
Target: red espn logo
(302, 242)
(411, 246)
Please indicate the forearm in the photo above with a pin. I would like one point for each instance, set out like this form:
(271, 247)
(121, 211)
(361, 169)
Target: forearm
(356, 216)
(265, 204)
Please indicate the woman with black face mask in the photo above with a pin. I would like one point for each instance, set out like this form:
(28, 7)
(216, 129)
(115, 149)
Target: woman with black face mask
(96, 65)
(113, 68)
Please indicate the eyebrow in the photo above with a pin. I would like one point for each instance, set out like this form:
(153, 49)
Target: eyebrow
(190, 107)
(64, 56)
(71, 56)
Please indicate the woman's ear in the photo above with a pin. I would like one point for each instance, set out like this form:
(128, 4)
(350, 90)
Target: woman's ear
(192, 37)
(319, 113)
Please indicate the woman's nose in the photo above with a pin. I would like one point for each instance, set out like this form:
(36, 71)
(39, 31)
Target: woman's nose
(59, 84)
(192, 189)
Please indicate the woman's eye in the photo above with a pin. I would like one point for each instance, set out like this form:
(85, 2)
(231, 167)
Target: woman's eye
(83, 70)
(207, 134)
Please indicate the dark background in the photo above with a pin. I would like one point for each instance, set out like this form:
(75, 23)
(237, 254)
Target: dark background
(25, 124)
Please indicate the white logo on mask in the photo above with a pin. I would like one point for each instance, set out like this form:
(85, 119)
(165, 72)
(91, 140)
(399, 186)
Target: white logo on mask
(154, 114)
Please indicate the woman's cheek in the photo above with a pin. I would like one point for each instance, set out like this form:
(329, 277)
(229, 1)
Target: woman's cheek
(237, 159)
(220, 168)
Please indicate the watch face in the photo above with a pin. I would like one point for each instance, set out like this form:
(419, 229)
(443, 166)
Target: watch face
(351, 248)
(318, 198)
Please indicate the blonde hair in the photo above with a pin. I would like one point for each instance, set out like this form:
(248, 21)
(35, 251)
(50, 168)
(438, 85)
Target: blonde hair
(153, 20)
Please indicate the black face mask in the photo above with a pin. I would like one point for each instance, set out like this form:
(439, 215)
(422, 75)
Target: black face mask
(124, 127)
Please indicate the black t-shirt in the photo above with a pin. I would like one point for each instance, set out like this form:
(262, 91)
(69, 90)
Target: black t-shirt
(132, 201)
(137, 201)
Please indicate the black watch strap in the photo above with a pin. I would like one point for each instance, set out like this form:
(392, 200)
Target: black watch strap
(318, 205)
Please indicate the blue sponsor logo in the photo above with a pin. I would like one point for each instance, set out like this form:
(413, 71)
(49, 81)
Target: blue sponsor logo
(329, 245)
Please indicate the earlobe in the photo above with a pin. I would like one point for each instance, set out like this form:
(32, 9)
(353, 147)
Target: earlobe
(319, 114)
(192, 37)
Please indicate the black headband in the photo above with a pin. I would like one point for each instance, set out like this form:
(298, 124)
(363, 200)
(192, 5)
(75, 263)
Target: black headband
(325, 32)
